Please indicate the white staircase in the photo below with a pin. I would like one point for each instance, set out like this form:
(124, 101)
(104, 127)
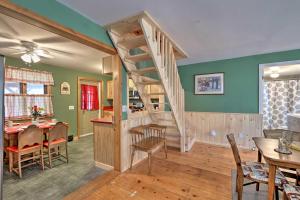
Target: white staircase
(150, 55)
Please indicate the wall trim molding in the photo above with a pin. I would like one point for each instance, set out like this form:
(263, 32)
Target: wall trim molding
(104, 166)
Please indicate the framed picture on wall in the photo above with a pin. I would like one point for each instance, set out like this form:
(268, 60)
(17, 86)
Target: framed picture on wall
(209, 84)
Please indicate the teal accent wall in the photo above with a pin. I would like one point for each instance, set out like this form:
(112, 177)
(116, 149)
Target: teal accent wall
(241, 84)
(67, 17)
(60, 102)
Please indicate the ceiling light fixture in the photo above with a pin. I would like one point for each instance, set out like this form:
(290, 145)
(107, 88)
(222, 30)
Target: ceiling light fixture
(274, 75)
(30, 57)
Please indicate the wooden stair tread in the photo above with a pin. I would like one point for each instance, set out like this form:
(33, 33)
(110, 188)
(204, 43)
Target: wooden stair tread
(133, 42)
(145, 70)
(156, 93)
(156, 82)
(139, 57)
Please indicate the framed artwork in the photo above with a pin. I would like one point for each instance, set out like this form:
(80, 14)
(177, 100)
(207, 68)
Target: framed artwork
(209, 84)
(65, 88)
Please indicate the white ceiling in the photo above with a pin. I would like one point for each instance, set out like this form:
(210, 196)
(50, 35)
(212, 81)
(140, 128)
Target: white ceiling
(66, 53)
(210, 29)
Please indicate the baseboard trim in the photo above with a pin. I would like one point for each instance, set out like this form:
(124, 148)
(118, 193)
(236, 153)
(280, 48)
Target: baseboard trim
(87, 134)
(103, 166)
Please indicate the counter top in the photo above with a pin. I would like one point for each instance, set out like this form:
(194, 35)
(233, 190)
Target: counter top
(105, 120)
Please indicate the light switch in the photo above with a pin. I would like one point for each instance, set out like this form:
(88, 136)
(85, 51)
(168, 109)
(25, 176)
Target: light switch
(124, 108)
(71, 108)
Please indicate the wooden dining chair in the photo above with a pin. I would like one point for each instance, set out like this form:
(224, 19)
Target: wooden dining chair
(57, 137)
(29, 149)
(291, 192)
(148, 138)
(256, 172)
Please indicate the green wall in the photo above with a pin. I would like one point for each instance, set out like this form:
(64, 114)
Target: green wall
(240, 83)
(61, 102)
(67, 17)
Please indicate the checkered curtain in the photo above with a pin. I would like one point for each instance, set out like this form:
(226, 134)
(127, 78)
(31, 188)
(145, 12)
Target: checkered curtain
(280, 98)
(23, 75)
(18, 106)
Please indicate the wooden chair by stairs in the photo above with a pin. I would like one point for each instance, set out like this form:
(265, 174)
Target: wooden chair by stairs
(148, 138)
(254, 171)
(29, 149)
(57, 137)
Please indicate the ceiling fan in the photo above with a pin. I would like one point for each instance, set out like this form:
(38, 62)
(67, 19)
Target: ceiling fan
(30, 51)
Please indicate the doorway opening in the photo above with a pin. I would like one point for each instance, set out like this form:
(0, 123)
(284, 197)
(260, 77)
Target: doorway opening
(279, 93)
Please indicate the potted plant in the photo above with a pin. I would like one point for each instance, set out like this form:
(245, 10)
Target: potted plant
(36, 112)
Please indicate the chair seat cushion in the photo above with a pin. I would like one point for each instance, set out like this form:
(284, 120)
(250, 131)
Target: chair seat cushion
(57, 141)
(260, 172)
(292, 192)
(15, 148)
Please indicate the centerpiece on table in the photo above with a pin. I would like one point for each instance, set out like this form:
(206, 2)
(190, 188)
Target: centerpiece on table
(35, 113)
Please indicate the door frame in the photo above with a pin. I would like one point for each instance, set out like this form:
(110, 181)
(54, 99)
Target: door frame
(88, 79)
(10, 9)
(2, 64)
(261, 81)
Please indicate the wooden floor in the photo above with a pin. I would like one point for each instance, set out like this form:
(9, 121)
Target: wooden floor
(202, 173)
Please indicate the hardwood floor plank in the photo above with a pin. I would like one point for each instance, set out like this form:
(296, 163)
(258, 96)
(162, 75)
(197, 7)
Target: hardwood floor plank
(202, 173)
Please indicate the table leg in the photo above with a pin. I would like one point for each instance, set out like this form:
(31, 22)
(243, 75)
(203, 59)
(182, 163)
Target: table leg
(258, 156)
(258, 160)
(271, 185)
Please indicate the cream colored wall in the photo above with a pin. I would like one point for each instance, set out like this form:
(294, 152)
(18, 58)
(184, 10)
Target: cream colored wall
(212, 128)
(85, 117)
(133, 120)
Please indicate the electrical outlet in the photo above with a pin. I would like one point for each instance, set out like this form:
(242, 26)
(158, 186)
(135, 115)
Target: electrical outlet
(71, 107)
(124, 108)
(213, 133)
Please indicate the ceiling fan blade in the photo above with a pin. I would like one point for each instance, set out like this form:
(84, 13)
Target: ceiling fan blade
(7, 36)
(59, 51)
(54, 39)
(8, 44)
(17, 53)
(6, 26)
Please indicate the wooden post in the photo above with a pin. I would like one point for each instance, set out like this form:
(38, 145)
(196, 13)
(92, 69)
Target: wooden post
(2, 121)
(117, 104)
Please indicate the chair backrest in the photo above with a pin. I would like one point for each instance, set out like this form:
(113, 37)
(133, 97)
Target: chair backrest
(235, 149)
(145, 131)
(30, 136)
(60, 130)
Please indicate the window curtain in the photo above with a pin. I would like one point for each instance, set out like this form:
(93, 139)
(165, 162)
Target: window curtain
(23, 75)
(18, 106)
(280, 98)
(89, 97)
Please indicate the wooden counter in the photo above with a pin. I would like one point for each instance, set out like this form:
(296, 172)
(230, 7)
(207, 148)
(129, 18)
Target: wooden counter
(103, 142)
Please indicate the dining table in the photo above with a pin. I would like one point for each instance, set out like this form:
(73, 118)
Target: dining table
(274, 159)
(11, 133)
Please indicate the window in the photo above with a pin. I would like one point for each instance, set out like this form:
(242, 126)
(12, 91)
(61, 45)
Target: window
(12, 88)
(33, 88)
(26, 88)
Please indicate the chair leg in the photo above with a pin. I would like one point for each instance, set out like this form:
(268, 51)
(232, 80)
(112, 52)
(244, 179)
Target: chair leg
(10, 160)
(132, 157)
(49, 157)
(19, 166)
(257, 186)
(284, 196)
(42, 159)
(276, 193)
(149, 163)
(239, 185)
(166, 149)
(67, 154)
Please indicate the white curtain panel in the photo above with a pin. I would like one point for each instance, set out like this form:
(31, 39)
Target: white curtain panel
(280, 98)
(19, 106)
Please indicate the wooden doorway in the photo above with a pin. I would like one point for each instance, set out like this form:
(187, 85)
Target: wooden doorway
(27, 16)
